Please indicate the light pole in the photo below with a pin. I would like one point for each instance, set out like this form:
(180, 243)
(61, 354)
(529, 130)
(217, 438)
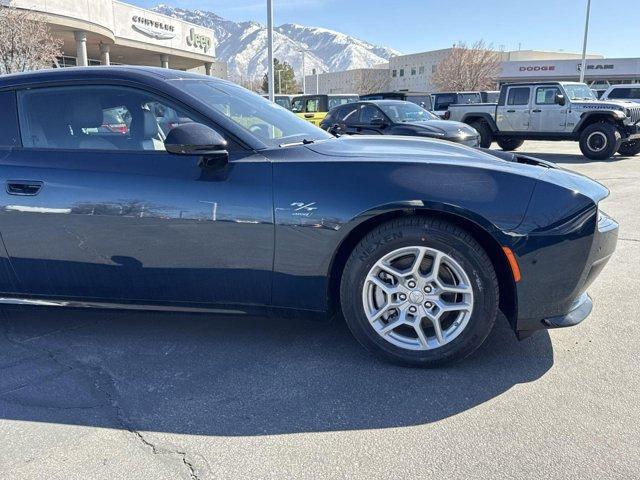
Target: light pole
(304, 80)
(583, 67)
(270, 49)
(279, 71)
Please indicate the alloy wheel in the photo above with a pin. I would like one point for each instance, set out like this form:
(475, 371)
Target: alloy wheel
(418, 298)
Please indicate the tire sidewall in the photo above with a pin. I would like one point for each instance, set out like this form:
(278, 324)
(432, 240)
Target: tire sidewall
(509, 143)
(629, 149)
(612, 135)
(486, 137)
(485, 300)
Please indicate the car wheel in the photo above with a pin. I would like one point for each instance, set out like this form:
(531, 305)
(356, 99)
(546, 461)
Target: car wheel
(509, 143)
(629, 149)
(600, 141)
(419, 291)
(486, 135)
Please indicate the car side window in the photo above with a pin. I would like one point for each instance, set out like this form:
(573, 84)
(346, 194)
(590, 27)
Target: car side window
(518, 96)
(546, 95)
(312, 105)
(96, 117)
(368, 113)
(9, 131)
(296, 105)
(443, 101)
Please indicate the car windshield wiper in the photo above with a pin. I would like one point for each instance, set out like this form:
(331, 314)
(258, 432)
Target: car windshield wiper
(304, 141)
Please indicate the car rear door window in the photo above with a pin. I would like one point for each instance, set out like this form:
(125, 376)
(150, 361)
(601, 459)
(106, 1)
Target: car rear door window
(9, 130)
(95, 118)
(518, 96)
(342, 113)
(442, 101)
(312, 105)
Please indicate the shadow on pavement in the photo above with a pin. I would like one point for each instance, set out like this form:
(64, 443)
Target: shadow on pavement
(230, 376)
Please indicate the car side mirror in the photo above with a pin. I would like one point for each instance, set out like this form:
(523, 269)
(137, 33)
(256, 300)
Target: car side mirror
(560, 99)
(197, 139)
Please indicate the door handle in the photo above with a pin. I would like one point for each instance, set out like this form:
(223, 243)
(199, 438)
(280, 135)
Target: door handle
(511, 111)
(537, 110)
(308, 115)
(23, 187)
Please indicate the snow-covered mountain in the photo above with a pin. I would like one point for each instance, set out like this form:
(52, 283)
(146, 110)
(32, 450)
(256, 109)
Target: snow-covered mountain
(243, 45)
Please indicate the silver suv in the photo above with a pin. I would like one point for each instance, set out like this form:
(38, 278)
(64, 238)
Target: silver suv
(555, 111)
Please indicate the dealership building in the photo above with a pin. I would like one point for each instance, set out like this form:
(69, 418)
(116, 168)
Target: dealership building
(414, 72)
(108, 32)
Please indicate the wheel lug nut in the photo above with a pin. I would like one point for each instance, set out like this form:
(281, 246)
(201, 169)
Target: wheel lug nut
(428, 289)
(413, 309)
(428, 305)
(412, 284)
(402, 297)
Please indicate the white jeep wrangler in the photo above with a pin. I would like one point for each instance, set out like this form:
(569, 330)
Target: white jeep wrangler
(555, 111)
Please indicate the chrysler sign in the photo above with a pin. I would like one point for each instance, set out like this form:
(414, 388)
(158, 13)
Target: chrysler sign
(153, 28)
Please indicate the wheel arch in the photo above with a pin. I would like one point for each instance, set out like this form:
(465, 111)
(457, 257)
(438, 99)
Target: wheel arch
(482, 117)
(590, 118)
(478, 228)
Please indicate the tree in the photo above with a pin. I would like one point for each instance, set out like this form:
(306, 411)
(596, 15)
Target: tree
(468, 68)
(26, 42)
(371, 81)
(283, 77)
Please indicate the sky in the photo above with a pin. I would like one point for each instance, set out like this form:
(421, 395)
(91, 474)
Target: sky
(418, 25)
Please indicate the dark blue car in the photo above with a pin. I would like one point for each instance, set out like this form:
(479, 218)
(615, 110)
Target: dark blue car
(236, 205)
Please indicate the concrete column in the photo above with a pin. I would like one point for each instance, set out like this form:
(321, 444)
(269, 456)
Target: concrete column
(81, 48)
(164, 61)
(208, 68)
(105, 50)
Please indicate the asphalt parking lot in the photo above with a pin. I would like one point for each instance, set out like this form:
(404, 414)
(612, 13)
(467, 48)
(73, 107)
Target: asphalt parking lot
(94, 395)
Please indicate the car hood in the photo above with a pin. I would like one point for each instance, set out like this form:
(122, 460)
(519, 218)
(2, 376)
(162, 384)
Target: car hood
(450, 128)
(391, 148)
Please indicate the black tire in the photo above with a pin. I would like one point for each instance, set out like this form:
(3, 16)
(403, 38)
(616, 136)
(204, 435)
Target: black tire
(600, 141)
(509, 143)
(486, 135)
(433, 233)
(629, 149)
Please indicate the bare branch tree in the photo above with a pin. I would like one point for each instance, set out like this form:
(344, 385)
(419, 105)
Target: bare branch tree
(372, 81)
(468, 68)
(26, 42)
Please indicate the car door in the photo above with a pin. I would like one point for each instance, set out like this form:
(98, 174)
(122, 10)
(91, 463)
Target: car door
(94, 214)
(546, 114)
(371, 121)
(515, 115)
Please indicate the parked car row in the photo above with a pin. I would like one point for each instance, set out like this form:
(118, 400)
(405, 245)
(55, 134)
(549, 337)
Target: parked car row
(517, 112)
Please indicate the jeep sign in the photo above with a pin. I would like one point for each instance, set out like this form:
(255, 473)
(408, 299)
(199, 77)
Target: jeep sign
(199, 41)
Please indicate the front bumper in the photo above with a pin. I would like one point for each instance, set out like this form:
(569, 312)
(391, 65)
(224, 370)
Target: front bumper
(572, 313)
(469, 141)
(631, 132)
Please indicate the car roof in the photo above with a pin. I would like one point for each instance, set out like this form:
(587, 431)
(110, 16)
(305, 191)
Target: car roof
(129, 72)
(623, 85)
(307, 95)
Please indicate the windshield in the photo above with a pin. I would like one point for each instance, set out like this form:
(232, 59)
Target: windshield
(406, 112)
(579, 91)
(267, 121)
